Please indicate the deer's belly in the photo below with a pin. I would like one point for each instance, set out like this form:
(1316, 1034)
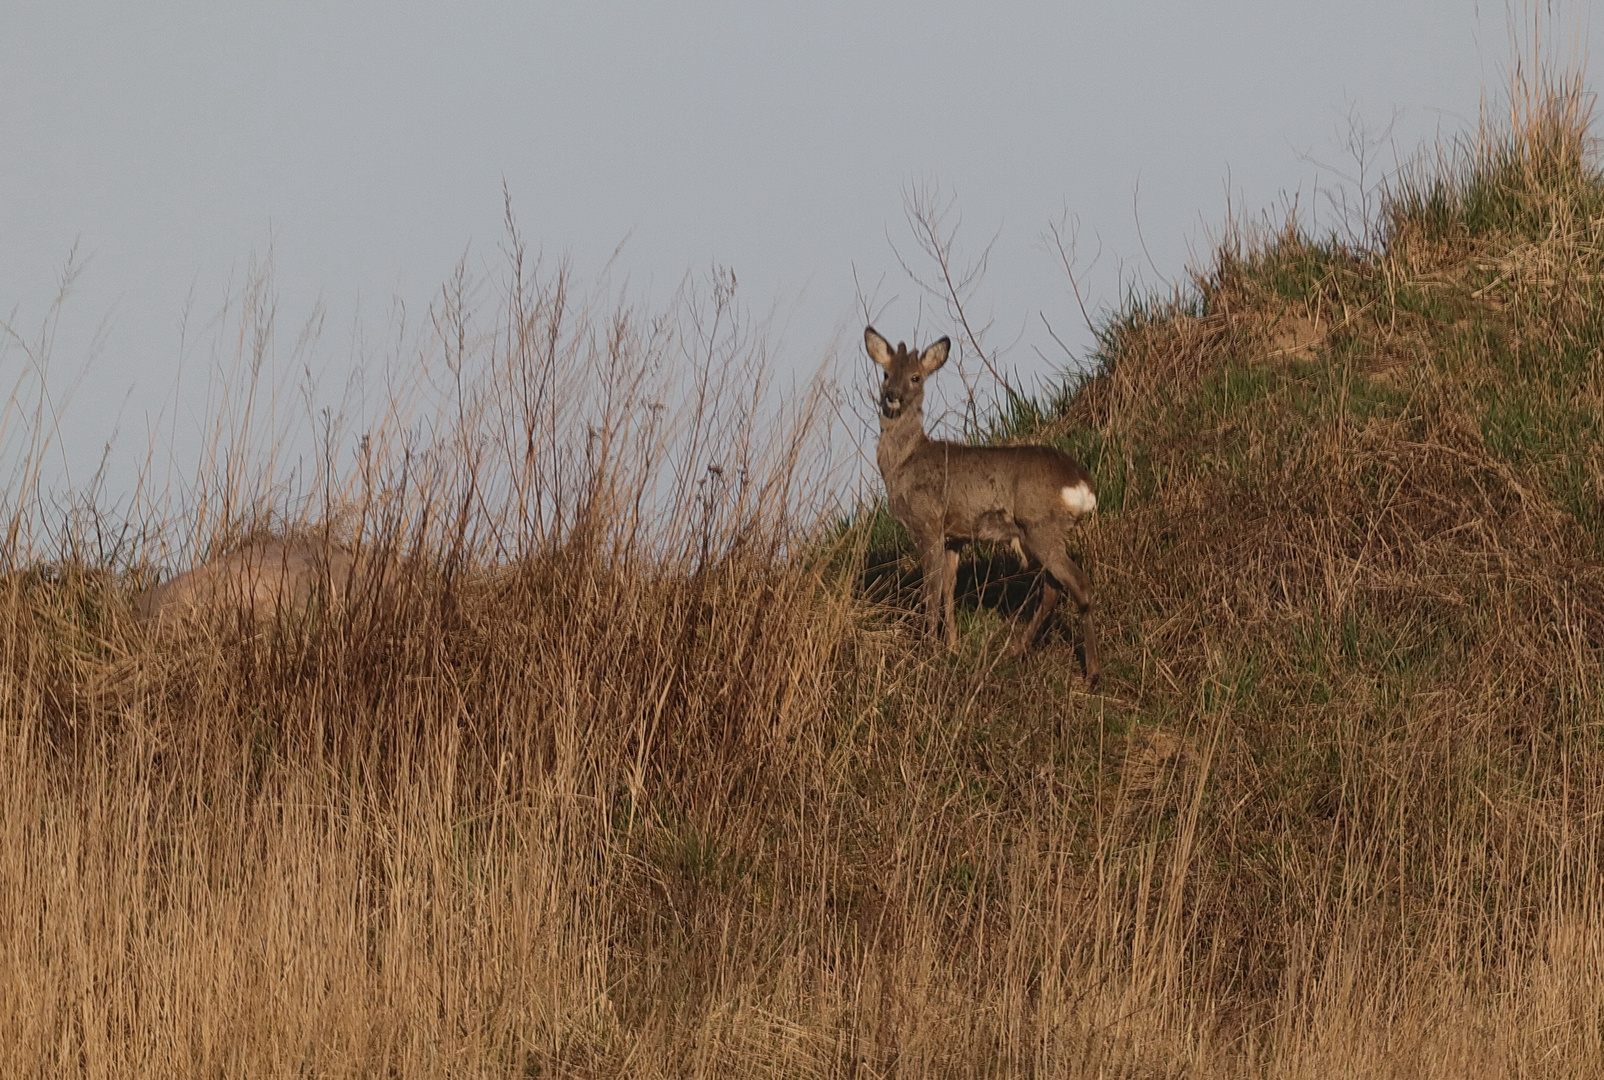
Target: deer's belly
(992, 526)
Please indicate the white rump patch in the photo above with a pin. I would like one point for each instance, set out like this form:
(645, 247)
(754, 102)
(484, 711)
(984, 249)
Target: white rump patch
(1079, 498)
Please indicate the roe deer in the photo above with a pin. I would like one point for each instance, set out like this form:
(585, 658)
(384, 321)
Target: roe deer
(262, 578)
(945, 493)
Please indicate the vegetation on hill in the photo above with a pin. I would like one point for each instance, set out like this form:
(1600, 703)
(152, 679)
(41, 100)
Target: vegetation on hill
(578, 783)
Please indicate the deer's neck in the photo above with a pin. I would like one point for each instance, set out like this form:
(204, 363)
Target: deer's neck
(899, 440)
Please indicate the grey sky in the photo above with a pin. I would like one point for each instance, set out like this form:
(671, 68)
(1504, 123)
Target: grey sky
(367, 143)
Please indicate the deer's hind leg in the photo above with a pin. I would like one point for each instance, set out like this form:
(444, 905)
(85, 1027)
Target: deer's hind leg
(1050, 595)
(1068, 575)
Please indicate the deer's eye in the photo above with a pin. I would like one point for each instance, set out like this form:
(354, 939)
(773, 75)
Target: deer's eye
(914, 379)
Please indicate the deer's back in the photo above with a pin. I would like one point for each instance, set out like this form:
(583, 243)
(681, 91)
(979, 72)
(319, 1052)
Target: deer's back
(261, 577)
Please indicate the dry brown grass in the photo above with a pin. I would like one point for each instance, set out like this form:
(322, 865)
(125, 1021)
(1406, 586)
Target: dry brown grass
(585, 784)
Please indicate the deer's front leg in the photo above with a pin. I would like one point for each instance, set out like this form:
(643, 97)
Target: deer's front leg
(949, 604)
(933, 557)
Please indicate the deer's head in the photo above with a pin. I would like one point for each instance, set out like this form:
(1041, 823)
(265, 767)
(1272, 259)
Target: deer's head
(903, 388)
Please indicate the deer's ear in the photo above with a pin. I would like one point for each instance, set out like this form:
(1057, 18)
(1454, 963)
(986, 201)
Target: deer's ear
(879, 348)
(934, 356)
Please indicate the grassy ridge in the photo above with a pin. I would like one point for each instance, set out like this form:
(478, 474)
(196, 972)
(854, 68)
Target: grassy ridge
(568, 791)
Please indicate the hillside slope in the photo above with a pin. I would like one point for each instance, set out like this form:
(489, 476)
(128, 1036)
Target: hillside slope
(1350, 554)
